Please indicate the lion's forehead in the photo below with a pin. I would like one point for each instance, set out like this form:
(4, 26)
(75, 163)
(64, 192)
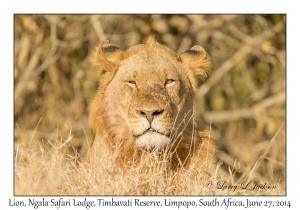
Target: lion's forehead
(141, 66)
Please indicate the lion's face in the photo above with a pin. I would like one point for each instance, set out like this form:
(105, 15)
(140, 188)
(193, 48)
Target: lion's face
(151, 93)
(146, 96)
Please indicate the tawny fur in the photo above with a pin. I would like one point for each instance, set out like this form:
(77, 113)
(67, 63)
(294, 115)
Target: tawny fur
(149, 76)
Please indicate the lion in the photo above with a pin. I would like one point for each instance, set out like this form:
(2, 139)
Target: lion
(145, 104)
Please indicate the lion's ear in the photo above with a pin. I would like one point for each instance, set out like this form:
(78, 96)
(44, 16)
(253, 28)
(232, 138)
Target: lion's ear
(197, 65)
(106, 56)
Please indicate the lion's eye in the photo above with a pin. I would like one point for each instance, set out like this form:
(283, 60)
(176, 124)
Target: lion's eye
(169, 81)
(131, 83)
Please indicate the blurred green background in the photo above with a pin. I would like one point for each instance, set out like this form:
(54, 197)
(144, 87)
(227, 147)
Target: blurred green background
(244, 99)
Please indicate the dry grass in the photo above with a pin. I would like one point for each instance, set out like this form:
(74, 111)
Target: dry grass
(53, 170)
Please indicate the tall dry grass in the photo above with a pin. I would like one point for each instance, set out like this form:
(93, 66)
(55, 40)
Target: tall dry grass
(54, 170)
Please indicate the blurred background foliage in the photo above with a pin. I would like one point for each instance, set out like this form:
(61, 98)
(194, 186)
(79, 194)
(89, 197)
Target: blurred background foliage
(243, 100)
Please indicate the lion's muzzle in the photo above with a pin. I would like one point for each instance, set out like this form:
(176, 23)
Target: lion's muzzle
(152, 141)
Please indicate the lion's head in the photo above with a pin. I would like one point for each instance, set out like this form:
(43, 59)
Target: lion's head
(145, 95)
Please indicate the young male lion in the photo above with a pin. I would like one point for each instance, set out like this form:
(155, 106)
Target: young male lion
(144, 104)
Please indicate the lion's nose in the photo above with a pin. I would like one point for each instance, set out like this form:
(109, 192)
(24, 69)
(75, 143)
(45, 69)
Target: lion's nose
(150, 114)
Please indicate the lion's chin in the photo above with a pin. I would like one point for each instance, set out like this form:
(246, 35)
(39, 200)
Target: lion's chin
(152, 141)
